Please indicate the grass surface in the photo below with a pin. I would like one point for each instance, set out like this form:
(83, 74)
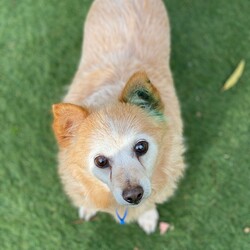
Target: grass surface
(40, 45)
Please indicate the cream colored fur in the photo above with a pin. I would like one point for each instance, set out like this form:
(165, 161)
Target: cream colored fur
(122, 37)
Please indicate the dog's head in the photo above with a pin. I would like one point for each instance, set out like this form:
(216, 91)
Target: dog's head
(117, 144)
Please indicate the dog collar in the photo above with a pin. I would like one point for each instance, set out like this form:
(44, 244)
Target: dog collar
(122, 219)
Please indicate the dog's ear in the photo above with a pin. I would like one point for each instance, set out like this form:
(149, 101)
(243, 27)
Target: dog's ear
(67, 119)
(141, 92)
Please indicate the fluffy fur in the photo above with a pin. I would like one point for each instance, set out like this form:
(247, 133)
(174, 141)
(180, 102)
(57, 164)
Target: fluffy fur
(122, 93)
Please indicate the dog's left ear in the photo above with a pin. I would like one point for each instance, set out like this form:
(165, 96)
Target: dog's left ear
(141, 92)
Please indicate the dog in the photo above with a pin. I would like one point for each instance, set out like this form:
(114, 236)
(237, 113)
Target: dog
(119, 127)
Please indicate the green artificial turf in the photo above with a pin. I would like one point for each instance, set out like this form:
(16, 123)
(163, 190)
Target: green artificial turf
(40, 43)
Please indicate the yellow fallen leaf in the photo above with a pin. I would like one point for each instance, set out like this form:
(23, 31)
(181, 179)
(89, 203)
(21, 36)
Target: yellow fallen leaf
(233, 79)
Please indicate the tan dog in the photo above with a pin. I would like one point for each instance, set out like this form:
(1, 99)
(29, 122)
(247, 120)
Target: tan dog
(119, 129)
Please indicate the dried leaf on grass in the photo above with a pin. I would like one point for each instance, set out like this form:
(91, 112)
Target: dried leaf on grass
(81, 221)
(247, 230)
(233, 79)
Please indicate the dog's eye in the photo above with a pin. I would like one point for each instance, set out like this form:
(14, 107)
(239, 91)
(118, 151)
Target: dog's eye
(101, 161)
(141, 148)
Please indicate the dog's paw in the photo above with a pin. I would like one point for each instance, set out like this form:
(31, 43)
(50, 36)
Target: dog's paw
(85, 213)
(148, 221)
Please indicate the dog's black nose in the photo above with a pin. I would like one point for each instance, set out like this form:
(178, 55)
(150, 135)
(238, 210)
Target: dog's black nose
(133, 195)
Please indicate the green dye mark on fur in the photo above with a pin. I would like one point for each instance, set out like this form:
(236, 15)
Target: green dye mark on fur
(145, 100)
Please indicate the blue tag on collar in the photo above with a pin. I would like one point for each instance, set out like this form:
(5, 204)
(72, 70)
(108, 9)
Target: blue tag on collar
(122, 219)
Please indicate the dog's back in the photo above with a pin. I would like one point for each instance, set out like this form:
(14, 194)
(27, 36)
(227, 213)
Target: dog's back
(136, 29)
(120, 38)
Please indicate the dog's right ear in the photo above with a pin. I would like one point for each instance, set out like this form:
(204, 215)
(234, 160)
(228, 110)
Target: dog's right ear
(67, 120)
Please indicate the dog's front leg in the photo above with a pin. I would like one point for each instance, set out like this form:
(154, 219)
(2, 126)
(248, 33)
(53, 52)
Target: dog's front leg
(148, 220)
(86, 213)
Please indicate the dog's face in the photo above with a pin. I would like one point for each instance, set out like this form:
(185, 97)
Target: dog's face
(122, 152)
(117, 144)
